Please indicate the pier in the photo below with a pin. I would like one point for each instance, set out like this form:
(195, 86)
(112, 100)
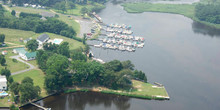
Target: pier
(40, 106)
(97, 17)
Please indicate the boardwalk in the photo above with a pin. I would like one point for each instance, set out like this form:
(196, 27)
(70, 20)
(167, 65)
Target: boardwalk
(41, 106)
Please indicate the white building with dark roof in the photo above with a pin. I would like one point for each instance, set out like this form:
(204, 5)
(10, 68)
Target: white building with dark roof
(42, 39)
(3, 83)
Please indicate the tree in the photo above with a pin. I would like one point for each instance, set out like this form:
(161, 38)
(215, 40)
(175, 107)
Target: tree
(27, 80)
(63, 49)
(6, 72)
(84, 10)
(27, 90)
(128, 65)
(114, 65)
(140, 75)
(14, 88)
(13, 12)
(10, 80)
(61, 6)
(56, 74)
(2, 60)
(71, 5)
(13, 107)
(32, 45)
(77, 55)
(2, 38)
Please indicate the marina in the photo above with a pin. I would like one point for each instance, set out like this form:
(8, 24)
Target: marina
(118, 37)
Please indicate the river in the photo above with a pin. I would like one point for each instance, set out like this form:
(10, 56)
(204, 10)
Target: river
(181, 54)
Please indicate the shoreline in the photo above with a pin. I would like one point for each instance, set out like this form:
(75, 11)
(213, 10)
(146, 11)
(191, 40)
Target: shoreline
(172, 10)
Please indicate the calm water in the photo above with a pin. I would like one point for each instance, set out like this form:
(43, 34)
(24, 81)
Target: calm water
(179, 53)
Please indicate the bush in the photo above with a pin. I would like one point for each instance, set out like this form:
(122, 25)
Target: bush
(15, 60)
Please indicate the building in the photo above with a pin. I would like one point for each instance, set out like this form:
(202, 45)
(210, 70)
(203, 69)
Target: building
(4, 52)
(26, 40)
(47, 14)
(25, 54)
(3, 83)
(42, 39)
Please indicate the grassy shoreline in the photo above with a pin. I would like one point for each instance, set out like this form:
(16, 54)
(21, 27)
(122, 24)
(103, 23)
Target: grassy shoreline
(140, 90)
(182, 9)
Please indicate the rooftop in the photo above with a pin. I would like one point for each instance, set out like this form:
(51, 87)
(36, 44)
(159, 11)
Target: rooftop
(43, 37)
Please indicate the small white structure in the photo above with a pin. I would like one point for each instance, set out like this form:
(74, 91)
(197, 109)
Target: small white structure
(33, 6)
(42, 39)
(3, 83)
(4, 52)
(26, 5)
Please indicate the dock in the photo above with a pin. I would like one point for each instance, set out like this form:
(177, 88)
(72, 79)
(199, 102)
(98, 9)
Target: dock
(40, 106)
(97, 17)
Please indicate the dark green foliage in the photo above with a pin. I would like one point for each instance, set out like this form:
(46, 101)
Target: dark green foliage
(15, 60)
(13, 13)
(27, 80)
(10, 80)
(32, 22)
(208, 12)
(140, 75)
(63, 49)
(56, 74)
(32, 45)
(128, 65)
(114, 65)
(13, 107)
(28, 91)
(50, 47)
(24, 15)
(6, 72)
(41, 58)
(84, 10)
(60, 6)
(78, 55)
(14, 88)
(2, 38)
(2, 60)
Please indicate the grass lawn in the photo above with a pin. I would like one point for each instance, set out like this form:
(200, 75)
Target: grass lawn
(4, 102)
(64, 18)
(147, 89)
(13, 66)
(38, 77)
(187, 10)
(13, 35)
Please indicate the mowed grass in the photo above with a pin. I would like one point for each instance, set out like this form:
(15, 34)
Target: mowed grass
(184, 9)
(13, 66)
(142, 88)
(14, 35)
(64, 18)
(187, 10)
(38, 78)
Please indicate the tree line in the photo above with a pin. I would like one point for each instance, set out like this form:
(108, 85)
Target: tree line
(208, 12)
(75, 69)
(32, 22)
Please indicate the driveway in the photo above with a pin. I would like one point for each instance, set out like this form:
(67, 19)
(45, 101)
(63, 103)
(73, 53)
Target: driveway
(17, 57)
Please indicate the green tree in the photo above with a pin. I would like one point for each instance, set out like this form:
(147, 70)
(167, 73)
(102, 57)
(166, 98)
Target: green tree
(114, 65)
(13, 107)
(14, 88)
(28, 91)
(56, 74)
(2, 38)
(140, 75)
(77, 55)
(2, 60)
(13, 12)
(6, 72)
(27, 80)
(61, 6)
(32, 45)
(84, 10)
(10, 80)
(128, 65)
(63, 49)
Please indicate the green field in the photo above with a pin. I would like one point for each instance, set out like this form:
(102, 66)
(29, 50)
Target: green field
(14, 35)
(64, 18)
(38, 77)
(183, 9)
(13, 66)
(139, 90)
